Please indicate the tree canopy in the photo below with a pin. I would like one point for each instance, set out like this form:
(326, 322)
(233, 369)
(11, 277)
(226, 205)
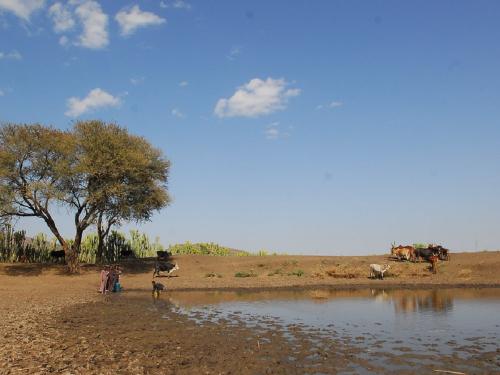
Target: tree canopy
(99, 171)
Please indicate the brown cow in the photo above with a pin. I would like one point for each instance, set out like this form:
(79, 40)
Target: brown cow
(403, 252)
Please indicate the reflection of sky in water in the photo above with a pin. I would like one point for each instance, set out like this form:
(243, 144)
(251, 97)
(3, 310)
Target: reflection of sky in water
(420, 322)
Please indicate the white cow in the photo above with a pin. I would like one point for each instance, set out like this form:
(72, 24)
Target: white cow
(376, 270)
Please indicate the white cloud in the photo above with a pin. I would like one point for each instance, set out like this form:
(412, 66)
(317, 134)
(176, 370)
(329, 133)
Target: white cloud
(272, 132)
(136, 80)
(95, 24)
(177, 113)
(176, 4)
(256, 98)
(21, 8)
(2, 93)
(62, 17)
(133, 18)
(183, 83)
(181, 4)
(95, 99)
(12, 55)
(63, 41)
(334, 104)
(233, 53)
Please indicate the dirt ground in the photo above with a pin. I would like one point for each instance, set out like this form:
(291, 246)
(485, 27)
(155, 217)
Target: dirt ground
(55, 323)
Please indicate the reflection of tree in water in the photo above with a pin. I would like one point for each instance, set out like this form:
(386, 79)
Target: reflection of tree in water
(412, 301)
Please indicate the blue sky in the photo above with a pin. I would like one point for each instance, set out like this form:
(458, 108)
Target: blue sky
(325, 127)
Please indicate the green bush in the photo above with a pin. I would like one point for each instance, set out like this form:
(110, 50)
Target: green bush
(245, 274)
(15, 246)
(278, 271)
(420, 245)
(296, 273)
(203, 248)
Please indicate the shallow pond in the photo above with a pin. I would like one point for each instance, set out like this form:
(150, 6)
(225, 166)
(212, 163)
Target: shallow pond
(400, 330)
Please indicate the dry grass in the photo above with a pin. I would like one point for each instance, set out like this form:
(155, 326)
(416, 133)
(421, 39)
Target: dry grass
(466, 273)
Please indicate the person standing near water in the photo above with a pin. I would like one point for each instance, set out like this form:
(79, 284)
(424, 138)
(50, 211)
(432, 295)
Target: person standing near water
(104, 280)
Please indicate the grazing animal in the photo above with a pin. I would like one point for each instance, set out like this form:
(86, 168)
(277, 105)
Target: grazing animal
(127, 254)
(157, 288)
(163, 255)
(376, 270)
(403, 252)
(164, 267)
(433, 259)
(57, 255)
(440, 251)
(425, 253)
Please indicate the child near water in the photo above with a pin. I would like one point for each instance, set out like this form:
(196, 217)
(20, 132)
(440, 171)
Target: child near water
(117, 286)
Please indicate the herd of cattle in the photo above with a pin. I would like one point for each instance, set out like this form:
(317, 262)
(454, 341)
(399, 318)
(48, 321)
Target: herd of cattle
(432, 253)
(417, 254)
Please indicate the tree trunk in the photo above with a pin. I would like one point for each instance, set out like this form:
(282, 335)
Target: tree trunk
(100, 244)
(70, 253)
(100, 239)
(103, 228)
(73, 253)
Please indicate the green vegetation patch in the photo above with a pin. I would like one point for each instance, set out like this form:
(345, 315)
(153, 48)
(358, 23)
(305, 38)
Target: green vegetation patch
(213, 274)
(296, 273)
(245, 274)
(204, 248)
(278, 271)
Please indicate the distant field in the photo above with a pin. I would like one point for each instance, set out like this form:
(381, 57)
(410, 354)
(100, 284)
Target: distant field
(202, 271)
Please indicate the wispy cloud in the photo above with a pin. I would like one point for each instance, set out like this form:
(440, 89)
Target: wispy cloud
(333, 104)
(183, 83)
(22, 8)
(64, 41)
(177, 113)
(233, 53)
(96, 98)
(176, 4)
(136, 80)
(134, 18)
(12, 55)
(273, 132)
(2, 93)
(256, 98)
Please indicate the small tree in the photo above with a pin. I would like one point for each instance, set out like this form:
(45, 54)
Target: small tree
(91, 174)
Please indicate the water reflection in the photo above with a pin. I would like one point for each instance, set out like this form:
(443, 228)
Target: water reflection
(438, 301)
(405, 301)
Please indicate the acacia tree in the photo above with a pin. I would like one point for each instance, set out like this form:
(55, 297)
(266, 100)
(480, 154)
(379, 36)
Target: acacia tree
(130, 175)
(42, 168)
